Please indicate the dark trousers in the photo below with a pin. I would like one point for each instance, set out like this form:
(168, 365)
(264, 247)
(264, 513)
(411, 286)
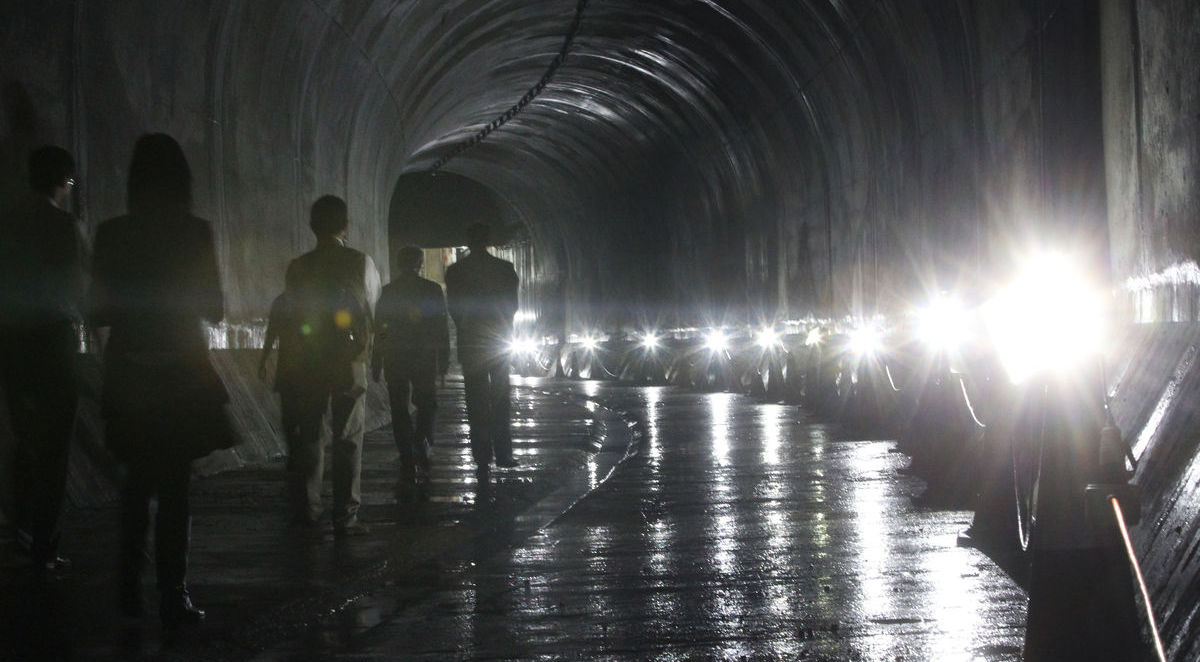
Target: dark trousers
(308, 410)
(38, 368)
(413, 436)
(489, 405)
(168, 478)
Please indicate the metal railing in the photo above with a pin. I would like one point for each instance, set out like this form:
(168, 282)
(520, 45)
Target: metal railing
(1141, 580)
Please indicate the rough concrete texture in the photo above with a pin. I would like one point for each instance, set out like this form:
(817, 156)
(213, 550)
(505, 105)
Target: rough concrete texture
(812, 158)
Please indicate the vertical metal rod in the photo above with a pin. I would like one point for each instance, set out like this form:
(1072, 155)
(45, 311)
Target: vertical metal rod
(1137, 571)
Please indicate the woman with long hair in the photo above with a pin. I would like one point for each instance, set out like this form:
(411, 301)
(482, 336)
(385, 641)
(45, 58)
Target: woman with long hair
(155, 284)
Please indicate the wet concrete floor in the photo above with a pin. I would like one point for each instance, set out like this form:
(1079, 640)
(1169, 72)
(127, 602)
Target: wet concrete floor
(737, 530)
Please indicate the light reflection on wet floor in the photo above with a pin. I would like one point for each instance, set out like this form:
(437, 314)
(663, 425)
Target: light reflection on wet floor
(740, 530)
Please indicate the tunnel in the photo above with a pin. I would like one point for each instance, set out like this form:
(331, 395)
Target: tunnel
(672, 165)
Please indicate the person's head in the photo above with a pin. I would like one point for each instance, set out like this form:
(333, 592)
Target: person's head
(329, 217)
(479, 235)
(160, 180)
(51, 172)
(410, 259)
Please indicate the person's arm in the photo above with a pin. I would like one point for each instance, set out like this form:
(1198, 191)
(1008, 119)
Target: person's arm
(372, 283)
(440, 329)
(68, 246)
(384, 316)
(211, 301)
(98, 304)
(269, 338)
(511, 302)
(453, 305)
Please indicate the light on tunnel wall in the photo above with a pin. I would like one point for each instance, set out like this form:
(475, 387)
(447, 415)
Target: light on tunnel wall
(522, 347)
(767, 338)
(650, 341)
(866, 341)
(942, 324)
(716, 341)
(1048, 319)
(590, 342)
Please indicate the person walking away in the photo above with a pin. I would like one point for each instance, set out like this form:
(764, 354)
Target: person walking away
(332, 290)
(155, 283)
(282, 328)
(481, 293)
(42, 259)
(413, 350)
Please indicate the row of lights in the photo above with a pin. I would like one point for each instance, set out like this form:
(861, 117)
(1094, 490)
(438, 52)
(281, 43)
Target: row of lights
(1049, 316)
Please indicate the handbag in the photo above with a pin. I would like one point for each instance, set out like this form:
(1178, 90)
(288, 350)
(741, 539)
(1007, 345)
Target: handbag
(165, 403)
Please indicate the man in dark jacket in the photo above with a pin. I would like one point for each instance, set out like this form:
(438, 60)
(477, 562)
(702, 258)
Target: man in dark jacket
(331, 292)
(41, 269)
(413, 349)
(481, 291)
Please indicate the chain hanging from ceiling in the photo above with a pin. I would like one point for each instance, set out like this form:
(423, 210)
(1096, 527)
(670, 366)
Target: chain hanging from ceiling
(529, 95)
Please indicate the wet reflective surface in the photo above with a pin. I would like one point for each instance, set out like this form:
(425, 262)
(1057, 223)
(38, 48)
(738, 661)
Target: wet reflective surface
(737, 530)
(740, 530)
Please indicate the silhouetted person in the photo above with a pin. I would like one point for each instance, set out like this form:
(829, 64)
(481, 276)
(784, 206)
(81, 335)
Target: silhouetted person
(332, 291)
(413, 350)
(284, 330)
(481, 292)
(41, 290)
(155, 284)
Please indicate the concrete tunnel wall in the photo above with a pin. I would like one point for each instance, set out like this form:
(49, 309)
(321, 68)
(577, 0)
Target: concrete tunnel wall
(689, 162)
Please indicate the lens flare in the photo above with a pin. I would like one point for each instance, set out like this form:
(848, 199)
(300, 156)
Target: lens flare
(650, 341)
(522, 347)
(767, 338)
(865, 341)
(1049, 318)
(942, 325)
(716, 341)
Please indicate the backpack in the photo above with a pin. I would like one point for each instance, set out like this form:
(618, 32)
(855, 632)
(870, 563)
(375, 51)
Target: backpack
(330, 313)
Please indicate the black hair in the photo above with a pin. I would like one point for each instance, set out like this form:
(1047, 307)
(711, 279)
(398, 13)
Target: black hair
(160, 181)
(409, 258)
(479, 234)
(328, 217)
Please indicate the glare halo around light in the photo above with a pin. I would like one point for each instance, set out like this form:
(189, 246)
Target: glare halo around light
(716, 341)
(1048, 319)
(942, 325)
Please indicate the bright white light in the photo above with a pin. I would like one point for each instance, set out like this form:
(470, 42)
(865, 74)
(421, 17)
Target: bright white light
(813, 339)
(716, 341)
(590, 343)
(768, 338)
(650, 340)
(942, 325)
(1049, 318)
(865, 341)
(522, 346)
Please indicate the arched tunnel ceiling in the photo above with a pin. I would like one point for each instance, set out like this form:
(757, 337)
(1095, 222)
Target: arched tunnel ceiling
(810, 155)
(645, 86)
(668, 121)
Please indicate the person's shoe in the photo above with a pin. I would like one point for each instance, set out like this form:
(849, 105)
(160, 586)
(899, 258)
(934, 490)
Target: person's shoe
(507, 462)
(351, 530)
(176, 609)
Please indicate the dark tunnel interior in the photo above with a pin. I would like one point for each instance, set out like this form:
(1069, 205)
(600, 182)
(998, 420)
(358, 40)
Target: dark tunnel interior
(658, 164)
(688, 160)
